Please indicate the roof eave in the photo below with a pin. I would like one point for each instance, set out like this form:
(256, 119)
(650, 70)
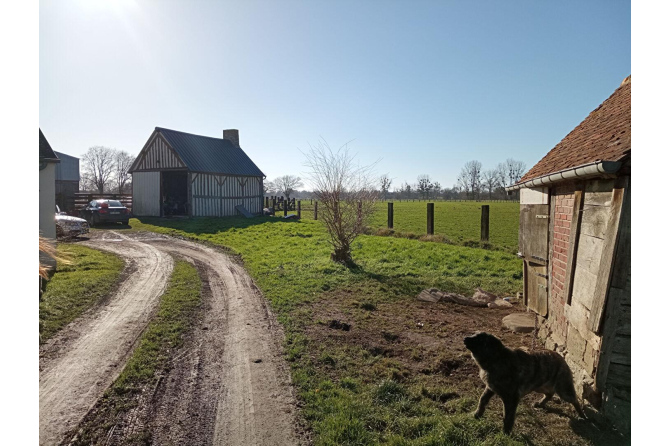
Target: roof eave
(584, 171)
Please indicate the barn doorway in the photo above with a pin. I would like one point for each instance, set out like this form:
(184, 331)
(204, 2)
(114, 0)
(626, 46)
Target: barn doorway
(175, 193)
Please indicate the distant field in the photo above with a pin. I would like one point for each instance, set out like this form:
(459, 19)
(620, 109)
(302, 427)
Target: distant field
(458, 221)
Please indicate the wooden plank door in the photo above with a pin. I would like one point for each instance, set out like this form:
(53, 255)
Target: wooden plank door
(534, 249)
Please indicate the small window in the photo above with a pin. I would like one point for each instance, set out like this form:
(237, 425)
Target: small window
(93, 204)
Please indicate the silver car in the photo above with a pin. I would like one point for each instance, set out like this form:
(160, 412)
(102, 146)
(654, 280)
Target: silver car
(68, 226)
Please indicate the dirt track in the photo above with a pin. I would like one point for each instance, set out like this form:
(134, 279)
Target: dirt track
(228, 386)
(78, 364)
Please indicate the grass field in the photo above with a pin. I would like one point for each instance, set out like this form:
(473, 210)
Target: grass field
(77, 286)
(400, 376)
(459, 222)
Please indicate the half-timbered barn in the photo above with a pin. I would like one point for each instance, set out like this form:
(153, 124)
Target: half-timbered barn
(575, 238)
(179, 173)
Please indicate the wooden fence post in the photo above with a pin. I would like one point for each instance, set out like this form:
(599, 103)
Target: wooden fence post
(274, 202)
(299, 210)
(267, 202)
(390, 216)
(316, 210)
(285, 207)
(485, 223)
(431, 218)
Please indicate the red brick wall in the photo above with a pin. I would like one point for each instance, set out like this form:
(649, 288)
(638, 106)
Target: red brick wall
(561, 215)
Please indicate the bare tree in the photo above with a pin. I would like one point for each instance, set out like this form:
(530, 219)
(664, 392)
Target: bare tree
(98, 167)
(122, 162)
(513, 171)
(424, 186)
(287, 184)
(437, 189)
(345, 192)
(269, 187)
(405, 190)
(470, 178)
(491, 180)
(385, 183)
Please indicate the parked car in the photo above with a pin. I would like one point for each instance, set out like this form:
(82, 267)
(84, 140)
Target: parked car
(69, 226)
(105, 211)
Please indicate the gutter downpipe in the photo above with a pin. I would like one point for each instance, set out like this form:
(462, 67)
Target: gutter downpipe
(584, 171)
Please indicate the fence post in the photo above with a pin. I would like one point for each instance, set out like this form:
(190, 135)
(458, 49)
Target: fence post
(274, 202)
(299, 210)
(267, 202)
(390, 216)
(485, 223)
(285, 207)
(431, 218)
(316, 210)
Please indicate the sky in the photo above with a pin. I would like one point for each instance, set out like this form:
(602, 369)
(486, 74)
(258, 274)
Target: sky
(419, 87)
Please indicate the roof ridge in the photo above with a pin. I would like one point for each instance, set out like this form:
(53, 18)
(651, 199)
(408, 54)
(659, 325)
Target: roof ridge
(190, 134)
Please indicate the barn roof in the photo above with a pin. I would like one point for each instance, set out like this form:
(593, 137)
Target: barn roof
(211, 155)
(605, 135)
(46, 152)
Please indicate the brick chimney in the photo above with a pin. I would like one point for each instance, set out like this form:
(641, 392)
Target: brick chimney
(233, 136)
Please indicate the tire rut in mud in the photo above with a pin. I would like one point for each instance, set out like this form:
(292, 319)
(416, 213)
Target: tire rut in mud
(228, 385)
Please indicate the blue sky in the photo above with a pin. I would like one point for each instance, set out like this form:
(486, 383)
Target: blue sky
(424, 86)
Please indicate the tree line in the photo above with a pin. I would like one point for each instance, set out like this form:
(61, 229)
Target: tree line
(473, 183)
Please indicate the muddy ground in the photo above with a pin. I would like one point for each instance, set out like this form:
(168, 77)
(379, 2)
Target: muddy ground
(421, 344)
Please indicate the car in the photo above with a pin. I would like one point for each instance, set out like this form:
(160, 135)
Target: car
(105, 211)
(69, 226)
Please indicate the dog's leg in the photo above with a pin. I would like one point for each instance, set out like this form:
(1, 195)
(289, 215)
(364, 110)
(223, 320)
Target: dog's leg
(567, 394)
(510, 403)
(542, 403)
(483, 401)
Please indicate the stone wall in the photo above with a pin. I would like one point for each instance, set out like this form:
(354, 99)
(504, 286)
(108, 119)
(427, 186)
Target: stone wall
(564, 329)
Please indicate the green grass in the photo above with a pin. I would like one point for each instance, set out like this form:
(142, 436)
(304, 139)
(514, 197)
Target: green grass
(157, 344)
(77, 286)
(289, 260)
(459, 222)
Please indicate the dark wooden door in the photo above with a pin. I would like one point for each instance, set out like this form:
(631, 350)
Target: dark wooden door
(534, 249)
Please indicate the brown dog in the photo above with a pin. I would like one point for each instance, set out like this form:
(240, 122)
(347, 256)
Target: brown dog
(511, 374)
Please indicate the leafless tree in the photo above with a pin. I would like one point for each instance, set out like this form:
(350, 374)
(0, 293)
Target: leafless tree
(491, 180)
(424, 186)
(513, 171)
(502, 175)
(287, 184)
(346, 195)
(437, 189)
(470, 178)
(405, 190)
(269, 187)
(98, 167)
(122, 163)
(385, 183)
